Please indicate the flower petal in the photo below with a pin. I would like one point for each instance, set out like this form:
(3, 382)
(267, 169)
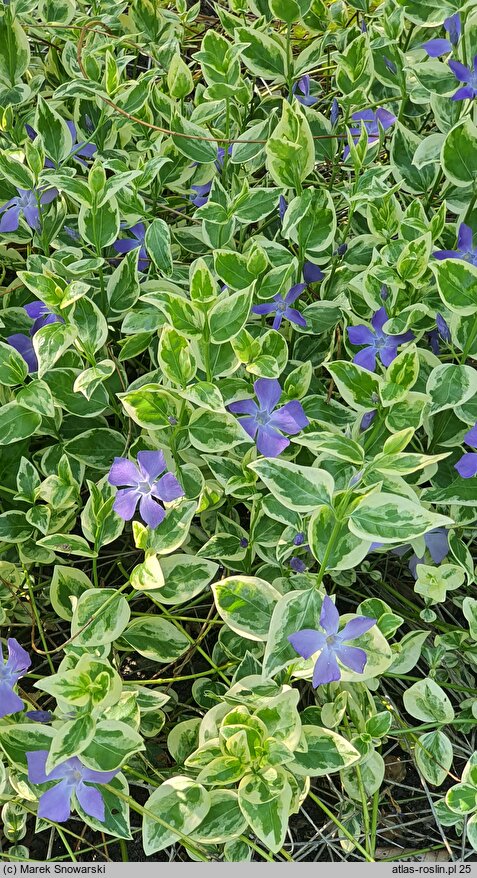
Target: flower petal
(463, 94)
(326, 669)
(265, 308)
(463, 74)
(361, 334)
(168, 488)
(270, 443)
(437, 542)
(32, 216)
(125, 503)
(388, 353)
(290, 418)
(447, 254)
(24, 345)
(378, 320)
(55, 803)
(36, 765)
(151, 511)
(352, 657)
(90, 800)
(97, 776)
(18, 658)
(464, 238)
(10, 219)
(467, 466)
(356, 627)
(312, 273)
(366, 358)
(249, 425)
(123, 472)
(294, 316)
(10, 702)
(307, 641)
(470, 438)
(268, 392)
(244, 407)
(329, 616)
(294, 293)
(152, 463)
(434, 48)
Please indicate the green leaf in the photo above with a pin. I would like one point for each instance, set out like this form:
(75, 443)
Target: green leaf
(14, 527)
(13, 368)
(290, 150)
(185, 576)
(321, 752)
(389, 518)
(14, 50)
(67, 586)
(265, 800)
(459, 153)
(263, 56)
(155, 638)
(300, 488)
(158, 245)
(97, 447)
(246, 604)
(223, 821)
(70, 740)
(449, 385)
(294, 611)
(50, 343)
(70, 544)
(113, 744)
(196, 145)
(179, 804)
(54, 132)
(427, 701)
(100, 616)
(457, 284)
(17, 422)
(434, 755)
(358, 387)
(215, 431)
(229, 315)
(462, 798)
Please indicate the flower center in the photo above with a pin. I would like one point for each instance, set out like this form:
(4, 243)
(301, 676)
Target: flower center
(144, 488)
(331, 640)
(6, 675)
(27, 199)
(262, 418)
(281, 305)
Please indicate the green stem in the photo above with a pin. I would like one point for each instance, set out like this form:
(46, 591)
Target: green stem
(340, 826)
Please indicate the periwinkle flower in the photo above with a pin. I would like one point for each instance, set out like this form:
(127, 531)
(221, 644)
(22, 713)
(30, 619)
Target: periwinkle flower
(263, 423)
(11, 670)
(281, 307)
(25, 204)
(467, 465)
(39, 716)
(299, 539)
(73, 777)
(437, 47)
(301, 90)
(332, 644)
(282, 206)
(312, 273)
(125, 245)
(466, 75)
(334, 111)
(143, 487)
(367, 419)
(378, 343)
(465, 249)
(390, 65)
(41, 315)
(371, 120)
(436, 542)
(297, 565)
(79, 150)
(202, 194)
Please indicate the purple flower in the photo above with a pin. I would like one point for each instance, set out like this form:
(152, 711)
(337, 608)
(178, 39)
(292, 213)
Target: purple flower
(79, 151)
(282, 206)
(312, 273)
(202, 195)
(390, 65)
(125, 245)
(55, 804)
(281, 307)
(464, 74)
(452, 25)
(25, 203)
(10, 672)
(301, 90)
(219, 162)
(22, 343)
(297, 565)
(39, 716)
(334, 111)
(377, 342)
(371, 121)
(467, 465)
(331, 644)
(299, 539)
(142, 487)
(437, 544)
(367, 419)
(465, 249)
(264, 422)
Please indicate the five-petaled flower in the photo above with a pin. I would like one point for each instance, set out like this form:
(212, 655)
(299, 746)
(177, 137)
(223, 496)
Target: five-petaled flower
(465, 249)
(467, 465)
(125, 245)
(437, 47)
(263, 423)
(202, 192)
(26, 203)
(466, 75)
(378, 342)
(41, 315)
(372, 121)
(281, 307)
(301, 90)
(332, 644)
(143, 487)
(73, 777)
(10, 672)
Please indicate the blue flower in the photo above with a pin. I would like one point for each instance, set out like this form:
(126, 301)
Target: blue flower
(73, 777)
(372, 121)
(281, 307)
(25, 204)
(334, 112)
(301, 90)
(466, 75)
(79, 151)
(142, 487)
(467, 465)
(41, 315)
(10, 672)
(264, 423)
(378, 343)
(124, 245)
(452, 25)
(465, 249)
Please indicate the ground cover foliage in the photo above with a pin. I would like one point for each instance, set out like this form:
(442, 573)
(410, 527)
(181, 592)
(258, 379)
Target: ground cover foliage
(238, 429)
